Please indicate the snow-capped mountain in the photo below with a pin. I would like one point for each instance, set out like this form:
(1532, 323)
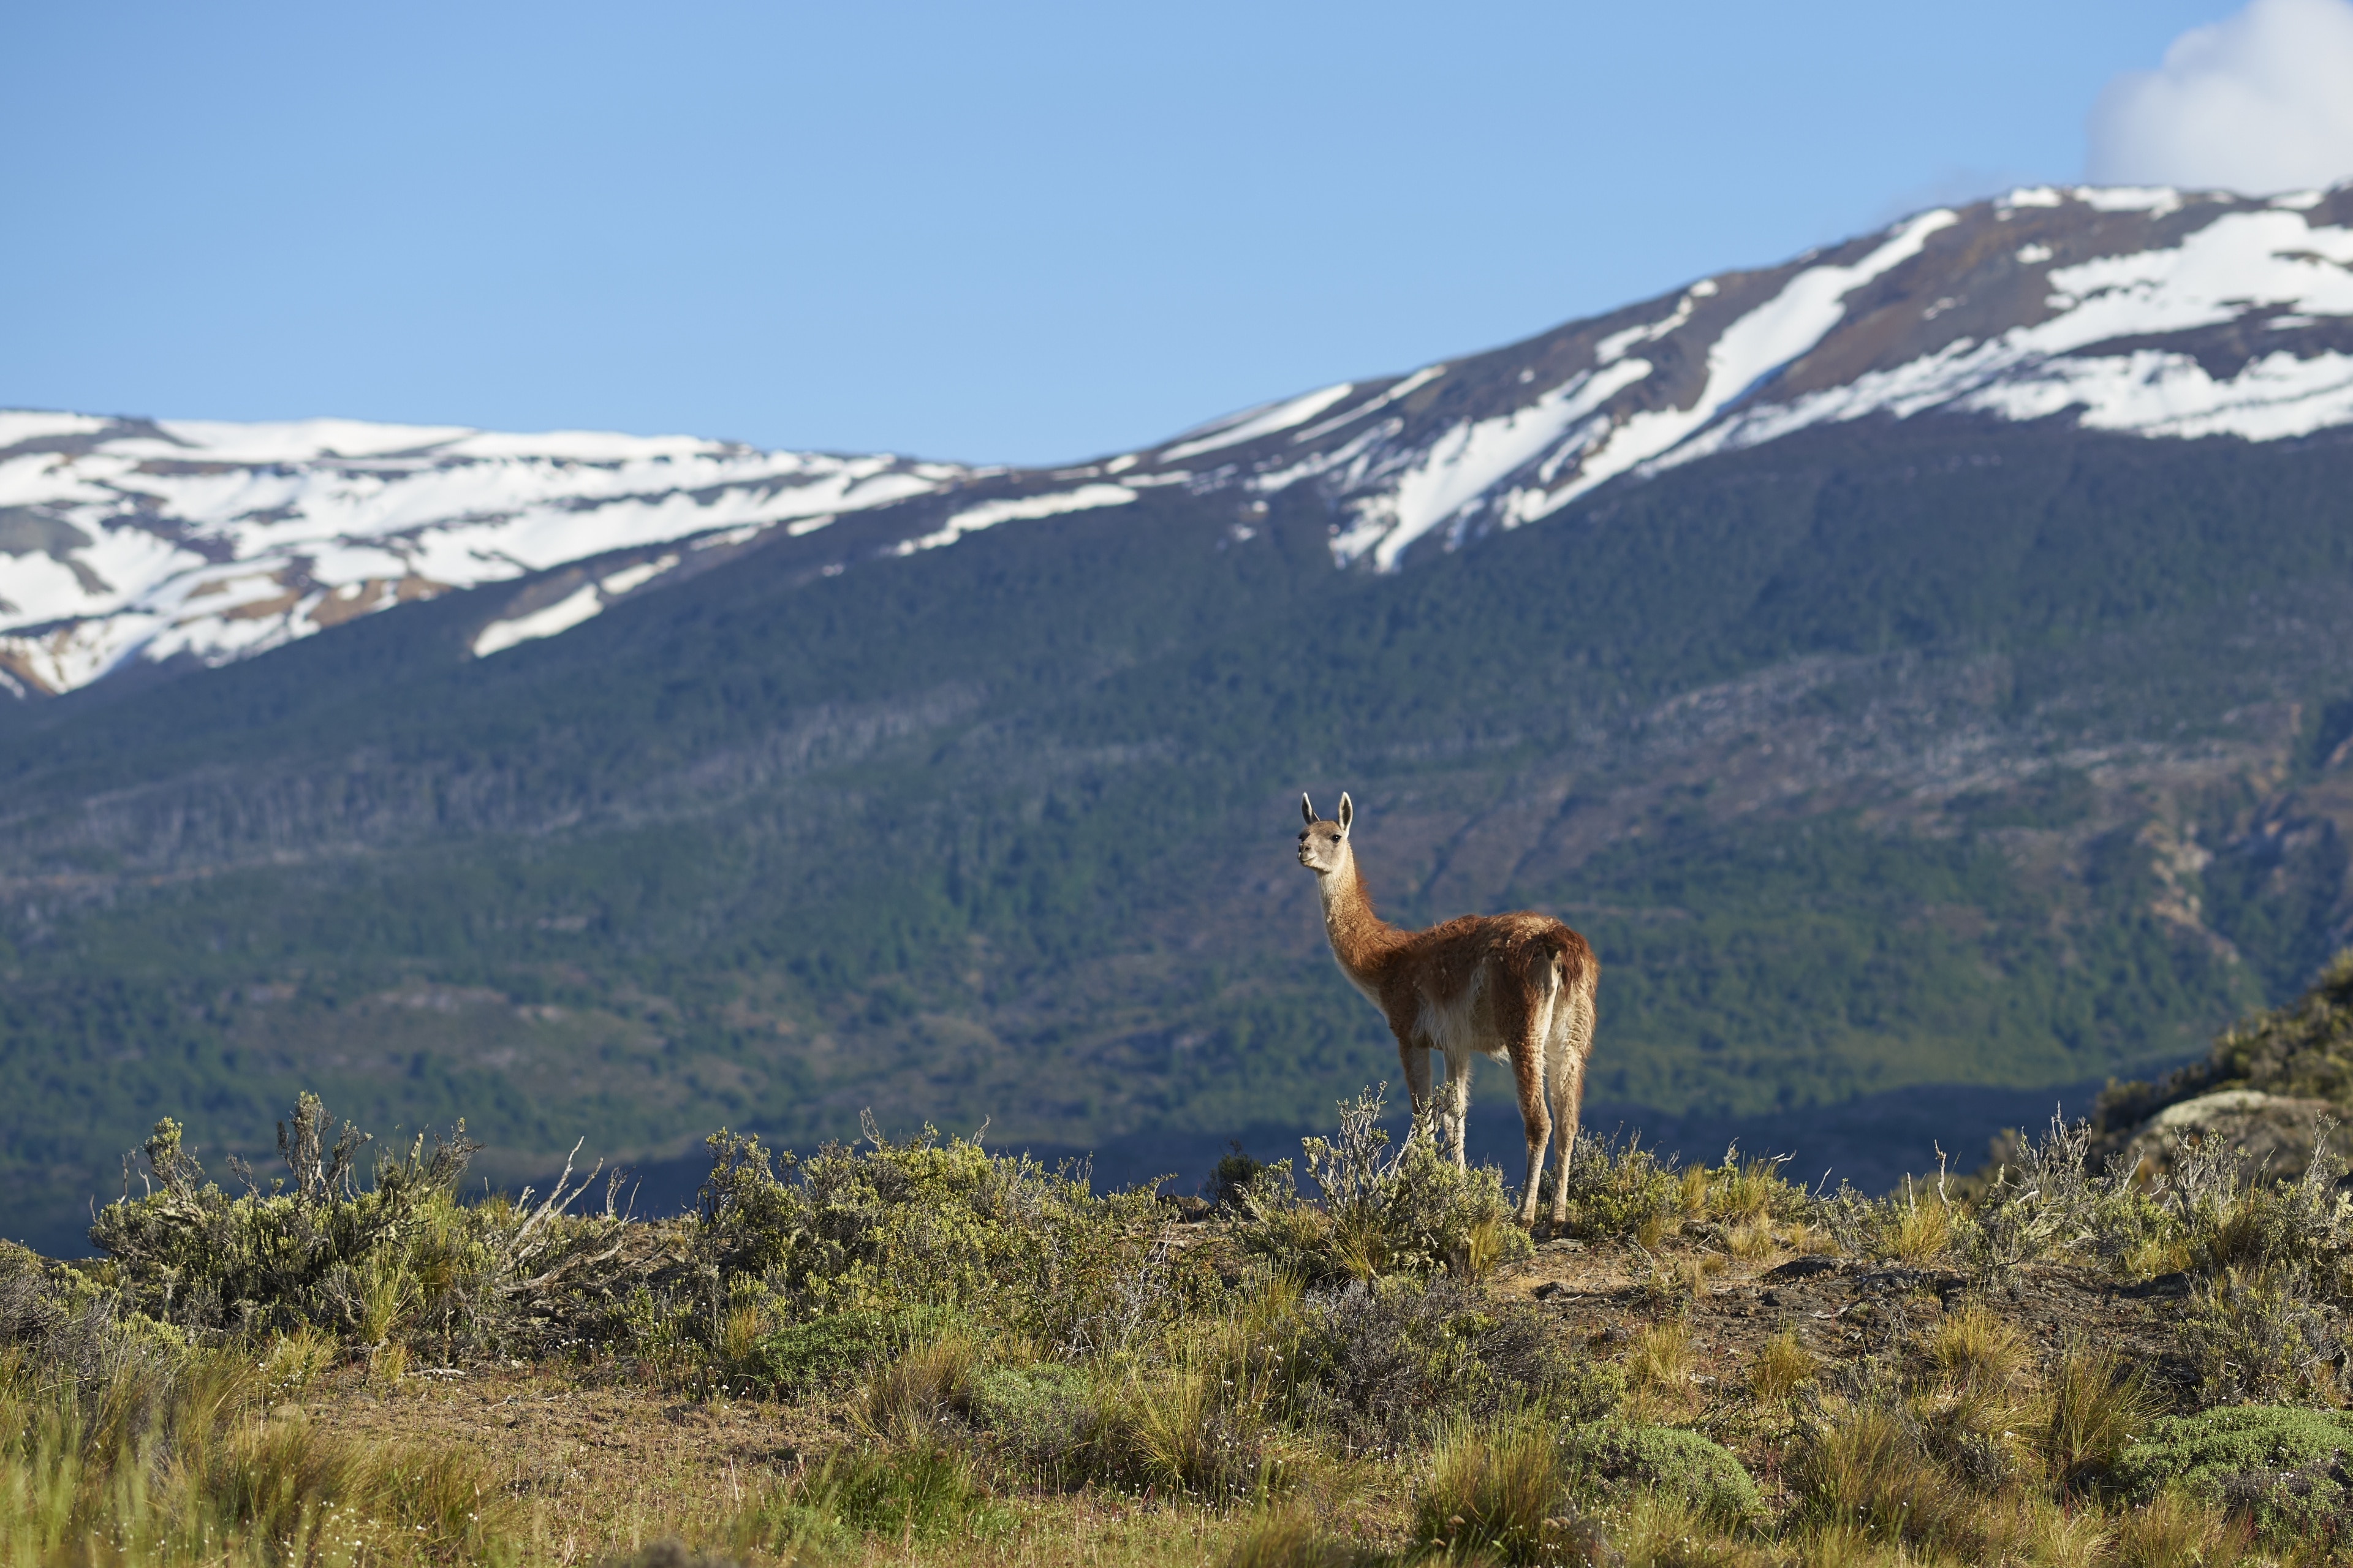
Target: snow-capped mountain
(152, 538)
(2153, 312)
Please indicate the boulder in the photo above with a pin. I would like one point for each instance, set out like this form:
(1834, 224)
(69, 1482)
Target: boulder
(2276, 1131)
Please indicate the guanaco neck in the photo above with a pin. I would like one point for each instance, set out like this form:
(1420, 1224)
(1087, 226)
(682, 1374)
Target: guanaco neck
(1360, 938)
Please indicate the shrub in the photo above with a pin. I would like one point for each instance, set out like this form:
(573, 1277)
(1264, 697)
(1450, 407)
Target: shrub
(1234, 1172)
(1616, 1189)
(2259, 1336)
(1382, 1213)
(1042, 1416)
(926, 1491)
(380, 1265)
(1625, 1457)
(831, 1350)
(2286, 1470)
(922, 1224)
(1383, 1365)
(2046, 1200)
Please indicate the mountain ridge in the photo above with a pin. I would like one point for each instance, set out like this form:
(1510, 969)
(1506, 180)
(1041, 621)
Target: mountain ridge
(2154, 312)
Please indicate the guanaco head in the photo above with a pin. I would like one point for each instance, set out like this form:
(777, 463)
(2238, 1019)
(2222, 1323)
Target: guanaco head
(1323, 845)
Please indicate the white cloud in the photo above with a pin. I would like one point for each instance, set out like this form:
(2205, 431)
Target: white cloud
(2260, 102)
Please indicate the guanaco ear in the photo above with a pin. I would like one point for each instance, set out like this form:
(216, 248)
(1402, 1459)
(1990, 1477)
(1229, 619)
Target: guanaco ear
(1307, 808)
(1348, 811)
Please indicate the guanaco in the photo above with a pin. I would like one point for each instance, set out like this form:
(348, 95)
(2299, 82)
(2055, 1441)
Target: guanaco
(1516, 987)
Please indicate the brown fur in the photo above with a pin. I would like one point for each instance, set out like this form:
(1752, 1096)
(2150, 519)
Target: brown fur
(1519, 987)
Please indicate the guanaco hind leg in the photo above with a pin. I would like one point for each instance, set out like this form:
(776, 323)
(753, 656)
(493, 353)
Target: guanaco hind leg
(1528, 1066)
(1575, 1044)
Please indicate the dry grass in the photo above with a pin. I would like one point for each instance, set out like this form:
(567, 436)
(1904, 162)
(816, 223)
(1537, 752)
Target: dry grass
(1920, 1230)
(1976, 1347)
(1780, 1369)
(1661, 1371)
(2096, 1402)
(2174, 1532)
(1498, 1487)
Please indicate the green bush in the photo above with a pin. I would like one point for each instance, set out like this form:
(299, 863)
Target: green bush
(924, 1493)
(2260, 1336)
(830, 1350)
(2289, 1471)
(396, 1259)
(1623, 1455)
(918, 1225)
(1042, 1414)
(1614, 1188)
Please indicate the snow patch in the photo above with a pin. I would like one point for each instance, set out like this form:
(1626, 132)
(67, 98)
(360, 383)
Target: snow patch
(989, 513)
(298, 440)
(1615, 345)
(637, 576)
(1459, 468)
(2155, 200)
(2264, 260)
(1281, 417)
(21, 424)
(560, 616)
(1405, 389)
(1751, 348)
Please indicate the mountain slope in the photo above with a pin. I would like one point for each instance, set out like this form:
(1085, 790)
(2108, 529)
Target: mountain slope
(1914, 748)
(2154, 312)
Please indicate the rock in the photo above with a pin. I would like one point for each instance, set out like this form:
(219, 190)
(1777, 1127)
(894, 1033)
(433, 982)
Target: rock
(1800, 1268)
(2275, 1131)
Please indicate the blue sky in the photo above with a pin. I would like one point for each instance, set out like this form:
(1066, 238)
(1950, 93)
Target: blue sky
(1020, 232)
